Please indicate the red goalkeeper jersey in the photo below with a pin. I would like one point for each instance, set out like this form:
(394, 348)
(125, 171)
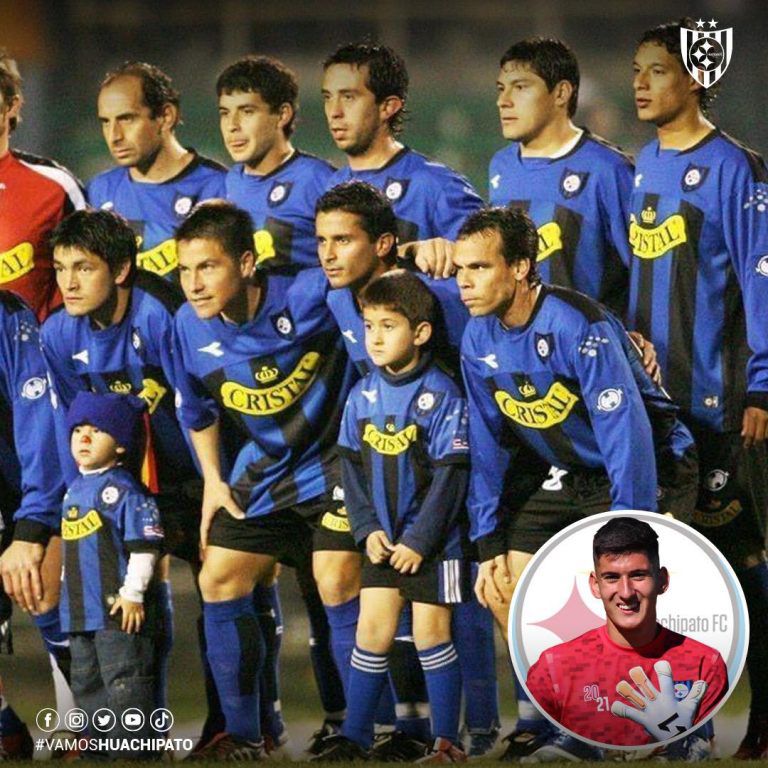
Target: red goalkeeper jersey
(35, 195)
(575, 682)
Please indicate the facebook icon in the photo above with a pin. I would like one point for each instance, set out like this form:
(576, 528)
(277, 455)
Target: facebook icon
(47, 720)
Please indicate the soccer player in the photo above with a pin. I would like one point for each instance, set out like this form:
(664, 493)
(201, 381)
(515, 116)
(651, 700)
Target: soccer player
(157, 180)
(552, 380)
(404, 451)
(35, 195)
(277, 184)
(699, 290)
(259, 359)
(629, 579)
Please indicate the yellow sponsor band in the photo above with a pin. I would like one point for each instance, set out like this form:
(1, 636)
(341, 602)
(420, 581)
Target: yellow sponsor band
(554, 408)
(650, 243)
(390, 445)
(161, 259)
(550, 240)
(335, 521)
(152, 394)
(269, 400)
(16, 262)
(79, 529)
(264, 245)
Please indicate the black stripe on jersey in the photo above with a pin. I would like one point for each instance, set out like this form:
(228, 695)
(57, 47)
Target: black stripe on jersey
(736, 354)
(109, 567)
(391, 483)
(614, 287)
(12, 303)
(73, 573)
(407, 231)
(168, 294)
(302, 153)
(561, 445)
(644, 309)
(210, 163)
(609, 145)
(232, 424)
(589, 308)
(755, 159)
(681, 312)
(244, 485)
(561, 269)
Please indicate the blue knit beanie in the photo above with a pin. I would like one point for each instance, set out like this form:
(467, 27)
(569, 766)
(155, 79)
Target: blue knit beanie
(117, 415)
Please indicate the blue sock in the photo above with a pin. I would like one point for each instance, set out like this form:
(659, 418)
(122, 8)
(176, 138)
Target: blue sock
(407, 683)
(367, 679)
(343, 622)
(56, 642)
(266, 601)
(443, 675)
(754, 582)
(163, 643)
(235, 650)
(528, 717)
(472, 631)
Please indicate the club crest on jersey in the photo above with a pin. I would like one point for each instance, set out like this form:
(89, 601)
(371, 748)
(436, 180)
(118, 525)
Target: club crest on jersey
(762, 266)
(110, 494)
(426, 402)
(649, 242)
(716, 480)
(694, 177)
(283, 324)
(390, 444)
(706, 53)
(545, 345)
(572, 183)
(72, 530)
(395, 189)
(543, 413)
(609, 399)
(34, 388)
(182, 205)
(279, 193)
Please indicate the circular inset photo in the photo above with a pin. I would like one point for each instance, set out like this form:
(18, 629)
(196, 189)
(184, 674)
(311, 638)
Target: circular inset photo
(628, 629)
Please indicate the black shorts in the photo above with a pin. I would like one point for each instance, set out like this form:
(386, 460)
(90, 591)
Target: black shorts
(733, 494)
(180, 508)
(438, 582)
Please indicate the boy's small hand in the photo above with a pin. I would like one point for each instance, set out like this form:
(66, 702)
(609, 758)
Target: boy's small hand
(133, 614)
(378, 547)
(404, 559)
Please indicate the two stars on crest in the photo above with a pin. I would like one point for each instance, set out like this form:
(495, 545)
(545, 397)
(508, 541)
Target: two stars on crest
(700, 24)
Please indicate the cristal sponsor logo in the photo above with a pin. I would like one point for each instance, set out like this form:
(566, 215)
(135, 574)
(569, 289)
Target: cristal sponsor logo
(390, 445)
(264, 244)
(16, 262)
(120, 387)
(269, 400)
(713, 518)
(336, 521)
(161, 259)
(550, 240)
(548, 411)
(266, 375)
(652, 242)
(527, 389)
(71, 530)
(152, 393)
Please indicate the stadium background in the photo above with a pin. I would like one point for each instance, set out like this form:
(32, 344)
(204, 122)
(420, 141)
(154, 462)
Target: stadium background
(452, 49)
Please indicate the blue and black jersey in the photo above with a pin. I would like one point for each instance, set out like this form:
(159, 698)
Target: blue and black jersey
(446, 333)
(579, 204)
(129, 357)
(699, 275)
(278, 381)
(31, 483)
(154, 211)
(104, 517)
(282, 206)
(429, 199)
(405, 457)
(569, 388)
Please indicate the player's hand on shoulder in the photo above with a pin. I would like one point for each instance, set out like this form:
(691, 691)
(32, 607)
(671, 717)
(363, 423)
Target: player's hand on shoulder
(433, 256)
(404, 559)
(378, 547)
(20, 570)
(133, 614)
(754, 426)
(216, 495)
(648, 353)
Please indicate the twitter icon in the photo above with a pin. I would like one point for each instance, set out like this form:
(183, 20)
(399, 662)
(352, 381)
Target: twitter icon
(104, 720)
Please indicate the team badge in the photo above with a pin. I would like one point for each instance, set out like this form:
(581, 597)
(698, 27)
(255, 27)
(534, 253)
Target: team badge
(33, 388)
(279, 192)
(426, 402)
(572, 182)
(183, 205)
(545, 344)
(706, 53)
(694, 177)
(283, 325)
(110, 494)
(338, 493)
(716, 480)
(682, 688)
(136, 340)
(395, 189)
(609, 399)
(762, 266)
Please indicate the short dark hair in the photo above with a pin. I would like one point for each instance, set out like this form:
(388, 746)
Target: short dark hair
(156, 87)
(401, 291)
(551, 59)
(622, 535)
(10, 82)
(366, 202)
(103, 233)
(668, 36)
(519, 239)
(387, 74)
(276, 83)
(231, 227)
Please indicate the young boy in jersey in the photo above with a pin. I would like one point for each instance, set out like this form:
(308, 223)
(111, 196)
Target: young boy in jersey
(404, 467)
(632, 645)
(112, 536)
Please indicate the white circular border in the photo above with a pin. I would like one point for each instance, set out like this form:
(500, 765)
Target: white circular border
(735, 659)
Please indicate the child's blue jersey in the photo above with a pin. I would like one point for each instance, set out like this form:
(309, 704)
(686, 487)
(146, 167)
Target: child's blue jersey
(452, 317)
(569, 387)
(279, 381)
(130, 357)
(104, 517)
(282, 206)
(699, 275)
(154, 211)
(579, 204)
(429, 199)
(29, 468)
(400, 431)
